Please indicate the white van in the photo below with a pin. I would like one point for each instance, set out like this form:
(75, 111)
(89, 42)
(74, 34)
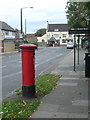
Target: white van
(70, 45)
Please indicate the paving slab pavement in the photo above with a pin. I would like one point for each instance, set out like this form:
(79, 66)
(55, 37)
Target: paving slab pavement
(69, 99)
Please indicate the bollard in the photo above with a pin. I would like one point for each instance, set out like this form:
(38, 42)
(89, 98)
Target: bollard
(28, 71)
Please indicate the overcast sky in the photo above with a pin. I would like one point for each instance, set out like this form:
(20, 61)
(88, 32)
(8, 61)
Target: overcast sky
(36, 17)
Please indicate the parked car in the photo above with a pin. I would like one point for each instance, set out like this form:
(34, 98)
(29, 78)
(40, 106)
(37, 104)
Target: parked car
(49, 44)
(52, 44)
(35, 43)
(70, 45)
(19, 42)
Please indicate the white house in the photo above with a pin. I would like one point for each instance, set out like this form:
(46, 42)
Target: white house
(7, 37)
(59, 31)
(42, 40)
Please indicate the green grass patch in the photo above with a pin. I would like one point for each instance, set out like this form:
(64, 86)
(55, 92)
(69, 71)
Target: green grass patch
(24, 108)
(0, 110)
(19, 91)
(45, 83)
(19, 108)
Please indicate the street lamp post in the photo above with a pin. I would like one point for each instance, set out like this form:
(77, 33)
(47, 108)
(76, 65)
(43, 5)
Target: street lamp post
(25, 29)
(25, 26)
(78, 48)
(21, 18)
(74, 54)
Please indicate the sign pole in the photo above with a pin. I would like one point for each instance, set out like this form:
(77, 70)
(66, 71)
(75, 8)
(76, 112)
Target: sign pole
(74, 55)
(78, 48)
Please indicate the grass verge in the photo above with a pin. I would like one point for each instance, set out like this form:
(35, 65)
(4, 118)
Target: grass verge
(45, 83)
(23, 108)
(19, 108)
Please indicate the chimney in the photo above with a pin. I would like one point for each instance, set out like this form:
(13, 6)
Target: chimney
(47, 26)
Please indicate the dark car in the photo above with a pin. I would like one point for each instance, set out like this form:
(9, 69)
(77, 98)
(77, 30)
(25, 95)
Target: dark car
(19, 42)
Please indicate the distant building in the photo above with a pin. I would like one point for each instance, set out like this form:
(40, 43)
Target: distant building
(31, 38)
(59, 31)
(7, 37)
(17, 34)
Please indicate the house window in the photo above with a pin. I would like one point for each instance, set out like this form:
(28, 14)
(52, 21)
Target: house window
(13, 34)
(8, 41)
(70, 35)
(64, 35)
(58, 41)
(63, 40)
(6, 33)
(56, 35)
(56, 30)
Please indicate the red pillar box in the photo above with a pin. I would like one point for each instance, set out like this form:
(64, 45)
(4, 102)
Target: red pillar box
(28, 71)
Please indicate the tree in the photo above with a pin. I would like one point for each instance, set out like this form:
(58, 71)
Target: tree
(77, 12)
(40, 32)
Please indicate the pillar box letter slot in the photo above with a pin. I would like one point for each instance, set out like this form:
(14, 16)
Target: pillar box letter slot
(28, 71)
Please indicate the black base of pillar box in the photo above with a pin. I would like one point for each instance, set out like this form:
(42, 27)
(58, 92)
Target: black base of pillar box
(28, 91)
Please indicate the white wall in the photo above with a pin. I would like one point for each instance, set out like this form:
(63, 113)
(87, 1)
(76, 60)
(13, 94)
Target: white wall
(1, 35)
(44, 37)
(9, 34)
(57, 35)
(8, 41)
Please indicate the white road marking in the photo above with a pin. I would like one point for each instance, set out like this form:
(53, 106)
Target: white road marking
(3, 66)
(48, 60)
(6, 76)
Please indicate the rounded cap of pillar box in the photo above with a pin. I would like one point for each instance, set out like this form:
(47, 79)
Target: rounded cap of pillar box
(27, 46)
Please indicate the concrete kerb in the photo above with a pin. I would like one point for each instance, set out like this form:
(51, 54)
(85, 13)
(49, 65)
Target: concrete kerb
(8, 52)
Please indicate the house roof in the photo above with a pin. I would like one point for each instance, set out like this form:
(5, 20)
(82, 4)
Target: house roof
(57, 27)
(5, 26)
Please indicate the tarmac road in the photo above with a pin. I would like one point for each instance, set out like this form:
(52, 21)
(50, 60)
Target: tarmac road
(46, 59)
